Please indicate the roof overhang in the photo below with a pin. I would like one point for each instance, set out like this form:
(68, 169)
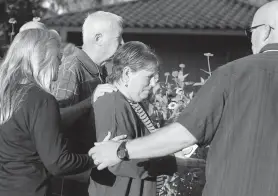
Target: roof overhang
(175, 31)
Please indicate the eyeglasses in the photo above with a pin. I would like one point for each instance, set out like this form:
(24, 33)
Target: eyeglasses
(248, 31)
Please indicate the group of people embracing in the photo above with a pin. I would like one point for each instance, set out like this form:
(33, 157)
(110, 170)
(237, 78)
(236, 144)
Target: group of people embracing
(56, 103)
(60, 119)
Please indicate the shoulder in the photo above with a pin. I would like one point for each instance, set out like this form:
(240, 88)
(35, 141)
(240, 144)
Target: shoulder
(37, 93)
(231, 69)
(72, 62)
(251, 66)
(36, 97)
(247, 63)
(114, 100)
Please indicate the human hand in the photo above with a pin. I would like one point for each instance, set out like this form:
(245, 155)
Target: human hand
(108, 136)
(179, 155)
(101, 89)
(104, 154)
(186, 152)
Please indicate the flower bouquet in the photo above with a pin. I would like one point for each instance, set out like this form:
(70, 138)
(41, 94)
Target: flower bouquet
(167, 101)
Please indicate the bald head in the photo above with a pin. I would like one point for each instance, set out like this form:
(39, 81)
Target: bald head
(101, 22)
(102, 34)
(265, 22)
(267, 14)
(32, 25)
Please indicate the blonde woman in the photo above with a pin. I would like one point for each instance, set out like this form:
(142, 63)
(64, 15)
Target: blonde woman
(31, 146)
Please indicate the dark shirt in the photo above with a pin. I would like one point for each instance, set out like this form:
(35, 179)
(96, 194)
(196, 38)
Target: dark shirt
(236, 113)
(32, 147)
(73, 113)
(130, 178)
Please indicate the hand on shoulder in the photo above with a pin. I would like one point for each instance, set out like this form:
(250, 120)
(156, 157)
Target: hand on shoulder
(101, 89)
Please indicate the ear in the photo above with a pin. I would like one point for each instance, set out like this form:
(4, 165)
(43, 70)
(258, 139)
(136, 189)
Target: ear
(126, 74)
(267, 31)
(98, 38)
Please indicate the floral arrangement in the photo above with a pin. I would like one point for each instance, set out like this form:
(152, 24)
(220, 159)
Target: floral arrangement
(168, 100)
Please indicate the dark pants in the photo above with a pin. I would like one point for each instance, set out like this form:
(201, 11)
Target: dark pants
(66, 187)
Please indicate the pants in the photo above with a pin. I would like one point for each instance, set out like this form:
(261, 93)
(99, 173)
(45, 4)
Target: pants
(66, 187)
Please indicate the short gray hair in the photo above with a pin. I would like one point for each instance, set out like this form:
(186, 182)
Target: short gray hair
(97, 21)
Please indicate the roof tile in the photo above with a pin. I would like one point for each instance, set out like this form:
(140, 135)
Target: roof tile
(191, 14)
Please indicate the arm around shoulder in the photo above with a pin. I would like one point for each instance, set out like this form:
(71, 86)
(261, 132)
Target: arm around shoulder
(67, 86)
(198, 123)
(116, 116)
(50, 144)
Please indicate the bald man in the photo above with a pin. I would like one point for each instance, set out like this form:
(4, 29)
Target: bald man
(235, 112)
(71, 114)
(79, 75)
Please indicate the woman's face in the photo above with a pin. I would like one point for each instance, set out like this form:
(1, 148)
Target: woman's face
(139, 85)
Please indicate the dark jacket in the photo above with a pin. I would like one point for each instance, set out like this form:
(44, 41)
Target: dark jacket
(128, 178)
(32, 147)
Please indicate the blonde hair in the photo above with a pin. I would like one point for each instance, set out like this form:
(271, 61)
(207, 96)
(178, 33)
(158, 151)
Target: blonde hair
(29, 60)
(99, 21)
(32, 25)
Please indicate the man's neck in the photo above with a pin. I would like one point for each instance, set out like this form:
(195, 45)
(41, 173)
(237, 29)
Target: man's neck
(91, 54)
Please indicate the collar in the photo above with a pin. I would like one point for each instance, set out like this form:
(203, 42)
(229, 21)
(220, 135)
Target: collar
(87, 62)
(270, 48)
(90, 66)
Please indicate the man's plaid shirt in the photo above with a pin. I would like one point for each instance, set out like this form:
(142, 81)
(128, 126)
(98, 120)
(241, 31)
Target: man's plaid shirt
(77, 79)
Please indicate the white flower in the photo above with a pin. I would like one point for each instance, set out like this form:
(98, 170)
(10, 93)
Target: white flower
(12, 21)
(208, 54)
(36, 19)
(179, 91)
(175, 74)
(182, 66)
(172, 105)
(166, 73)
